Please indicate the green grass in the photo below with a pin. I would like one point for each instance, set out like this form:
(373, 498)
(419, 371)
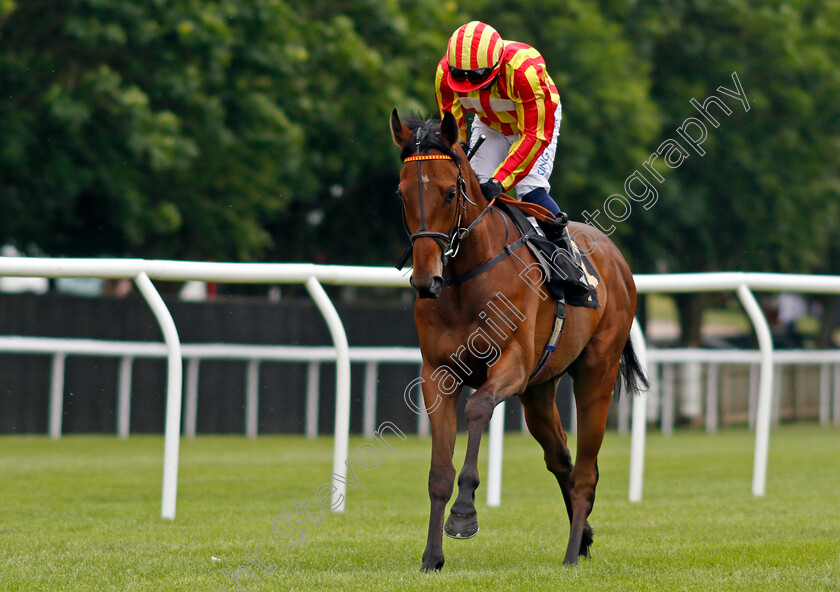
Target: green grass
(83, 514)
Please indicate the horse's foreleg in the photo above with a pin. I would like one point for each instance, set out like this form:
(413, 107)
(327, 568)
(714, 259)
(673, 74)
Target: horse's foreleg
(543, 419)
(463, 518)
(593, 388)
(443, 420)
(506, 377)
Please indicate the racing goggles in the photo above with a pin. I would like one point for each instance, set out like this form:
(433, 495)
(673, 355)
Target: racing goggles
(475, 76)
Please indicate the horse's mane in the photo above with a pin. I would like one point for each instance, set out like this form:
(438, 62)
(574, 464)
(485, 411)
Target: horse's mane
(427, 131)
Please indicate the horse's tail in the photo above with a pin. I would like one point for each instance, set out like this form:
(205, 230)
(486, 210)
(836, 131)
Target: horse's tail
(631, 375)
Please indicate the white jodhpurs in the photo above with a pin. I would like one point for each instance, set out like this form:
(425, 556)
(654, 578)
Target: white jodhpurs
(495, 150)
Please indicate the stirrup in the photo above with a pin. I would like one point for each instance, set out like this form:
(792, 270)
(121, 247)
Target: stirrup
(556, 231)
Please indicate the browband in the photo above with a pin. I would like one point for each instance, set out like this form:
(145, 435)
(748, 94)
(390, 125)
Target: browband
(428, 157)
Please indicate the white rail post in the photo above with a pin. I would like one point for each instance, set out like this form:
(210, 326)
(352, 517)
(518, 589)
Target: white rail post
(712, 398)
(825, 393)
(57, 395)
(424, 426)
(668, 399)
(342, 390)
(752, 399)
(836, 411)
(172, 437)
(191, 411)
(313, 386)
(494, 456)
(252, 398)
(654, 393)
(764, 407)
(369, 405)
(637, 439)
(124, 397)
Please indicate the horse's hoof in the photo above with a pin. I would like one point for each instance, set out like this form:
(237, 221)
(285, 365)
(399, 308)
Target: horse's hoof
(586, 541)
(431, 564)
(461, 526)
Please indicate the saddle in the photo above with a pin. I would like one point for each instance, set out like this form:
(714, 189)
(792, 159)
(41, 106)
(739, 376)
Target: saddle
(564, 270)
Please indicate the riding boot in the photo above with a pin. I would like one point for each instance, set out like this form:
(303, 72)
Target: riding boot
(569, 258)
(558, 233)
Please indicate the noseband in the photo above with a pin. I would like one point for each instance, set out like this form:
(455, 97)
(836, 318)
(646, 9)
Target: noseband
(449, 243)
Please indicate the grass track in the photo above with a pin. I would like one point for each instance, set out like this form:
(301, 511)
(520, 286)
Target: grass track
(83, 514)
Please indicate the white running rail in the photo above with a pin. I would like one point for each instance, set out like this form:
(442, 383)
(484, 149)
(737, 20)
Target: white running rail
(143, 271)
(313, 276)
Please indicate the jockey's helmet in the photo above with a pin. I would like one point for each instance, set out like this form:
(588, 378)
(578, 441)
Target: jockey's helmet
(473, 56)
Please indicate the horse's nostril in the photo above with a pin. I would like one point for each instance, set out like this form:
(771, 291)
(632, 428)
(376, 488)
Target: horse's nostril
(431, 290)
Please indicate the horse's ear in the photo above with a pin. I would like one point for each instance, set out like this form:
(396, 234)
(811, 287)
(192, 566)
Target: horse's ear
(399, 132)
(449, 129)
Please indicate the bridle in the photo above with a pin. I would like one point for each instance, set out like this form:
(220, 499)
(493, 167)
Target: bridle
(450, 242)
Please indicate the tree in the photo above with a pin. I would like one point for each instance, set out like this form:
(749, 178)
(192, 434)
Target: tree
(206, 129)
(365, 58)
(764, 196)
(257, 129)
(609, 119)
(761, 196)
(153, 129)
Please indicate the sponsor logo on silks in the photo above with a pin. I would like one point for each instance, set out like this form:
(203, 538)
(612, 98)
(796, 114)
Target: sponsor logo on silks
(542, 163)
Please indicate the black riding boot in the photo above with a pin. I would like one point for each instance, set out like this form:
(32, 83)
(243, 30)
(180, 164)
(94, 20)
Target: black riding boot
(558, 233)
(569, 261)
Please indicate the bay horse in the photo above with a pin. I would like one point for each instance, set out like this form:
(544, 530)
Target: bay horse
(481, 325)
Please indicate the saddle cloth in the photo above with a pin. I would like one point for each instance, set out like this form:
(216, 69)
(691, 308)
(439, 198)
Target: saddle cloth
(566, 272)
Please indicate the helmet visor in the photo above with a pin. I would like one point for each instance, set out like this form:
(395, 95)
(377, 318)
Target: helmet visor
(468, 80)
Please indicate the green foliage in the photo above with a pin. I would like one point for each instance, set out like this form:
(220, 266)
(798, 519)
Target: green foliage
(765, 195)
(366, 58)
(251, 130)
(609, 118)
(146, 128)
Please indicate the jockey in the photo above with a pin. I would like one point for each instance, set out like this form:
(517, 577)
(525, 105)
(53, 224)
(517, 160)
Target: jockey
(516, 106)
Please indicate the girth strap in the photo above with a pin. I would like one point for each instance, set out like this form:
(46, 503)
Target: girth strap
(551, 346)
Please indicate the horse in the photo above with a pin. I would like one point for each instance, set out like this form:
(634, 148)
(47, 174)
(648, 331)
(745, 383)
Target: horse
(479, 324)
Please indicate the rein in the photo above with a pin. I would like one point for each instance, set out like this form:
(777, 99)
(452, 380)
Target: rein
(449, 243)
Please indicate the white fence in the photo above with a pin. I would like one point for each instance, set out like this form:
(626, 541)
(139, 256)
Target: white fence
(312, 276)
(142, 271)
(743, 284)
(193, 354)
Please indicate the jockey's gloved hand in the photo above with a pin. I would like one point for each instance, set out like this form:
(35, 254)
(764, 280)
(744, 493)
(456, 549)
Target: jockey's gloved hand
(491, 189)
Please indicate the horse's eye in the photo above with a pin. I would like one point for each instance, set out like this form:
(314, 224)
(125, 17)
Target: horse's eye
(451, 194)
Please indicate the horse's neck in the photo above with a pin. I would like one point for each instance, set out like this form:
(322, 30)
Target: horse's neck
(485, 241)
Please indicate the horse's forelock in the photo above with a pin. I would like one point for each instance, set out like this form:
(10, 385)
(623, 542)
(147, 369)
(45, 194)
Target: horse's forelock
(426, 134)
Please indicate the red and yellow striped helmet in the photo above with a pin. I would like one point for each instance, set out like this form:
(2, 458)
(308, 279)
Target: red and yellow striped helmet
(475, 48)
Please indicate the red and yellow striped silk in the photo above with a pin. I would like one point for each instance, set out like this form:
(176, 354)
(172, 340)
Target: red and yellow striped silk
(474, 45)
(521, 101)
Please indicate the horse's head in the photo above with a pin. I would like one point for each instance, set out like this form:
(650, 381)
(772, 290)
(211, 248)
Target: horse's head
(433, 192)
